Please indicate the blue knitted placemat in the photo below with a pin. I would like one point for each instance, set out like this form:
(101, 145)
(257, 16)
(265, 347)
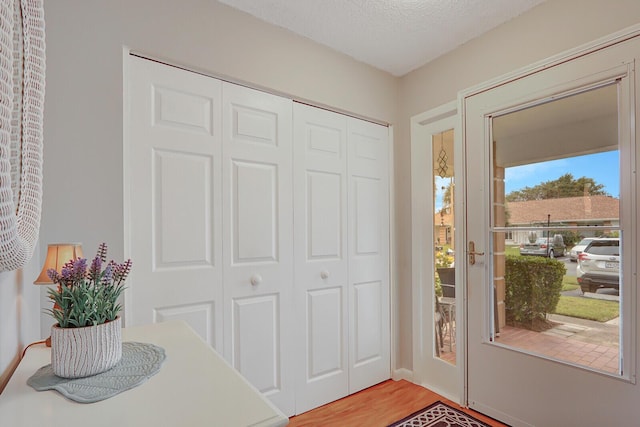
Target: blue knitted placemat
(140, 361)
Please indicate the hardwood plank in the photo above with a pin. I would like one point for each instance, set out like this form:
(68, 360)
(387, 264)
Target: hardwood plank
(379, 405)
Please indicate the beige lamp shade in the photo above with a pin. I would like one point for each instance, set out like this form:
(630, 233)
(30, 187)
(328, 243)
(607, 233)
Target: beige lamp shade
(58, 254)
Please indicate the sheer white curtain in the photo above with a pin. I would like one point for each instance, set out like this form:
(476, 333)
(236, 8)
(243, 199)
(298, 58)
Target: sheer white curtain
(22, 73)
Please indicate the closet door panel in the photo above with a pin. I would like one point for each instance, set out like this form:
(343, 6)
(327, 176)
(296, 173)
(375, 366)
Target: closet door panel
(174, 246)
(174, 170)
(324, 215)
(320, 221)
(369, 321)
(325, 332)
(254, 194)
(368, 340)
(367, 193)
(255, 329)
(257, 240)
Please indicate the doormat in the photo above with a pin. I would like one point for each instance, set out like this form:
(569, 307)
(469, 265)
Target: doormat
(439, 414)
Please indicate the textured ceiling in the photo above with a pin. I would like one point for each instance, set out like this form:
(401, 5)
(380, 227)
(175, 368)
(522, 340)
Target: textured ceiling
(396, 36)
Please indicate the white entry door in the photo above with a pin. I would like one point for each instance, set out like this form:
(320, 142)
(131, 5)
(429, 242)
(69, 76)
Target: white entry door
(174, 170)
(563, 114)
(258, 240)
(321, 256)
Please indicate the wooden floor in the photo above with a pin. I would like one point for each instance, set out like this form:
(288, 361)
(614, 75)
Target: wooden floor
(379, 405)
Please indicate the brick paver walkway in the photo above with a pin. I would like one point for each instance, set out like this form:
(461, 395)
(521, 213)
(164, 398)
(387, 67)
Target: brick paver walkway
(568, 342)
(563, 345)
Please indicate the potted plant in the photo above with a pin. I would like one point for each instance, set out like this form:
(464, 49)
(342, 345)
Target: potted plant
(87, 340)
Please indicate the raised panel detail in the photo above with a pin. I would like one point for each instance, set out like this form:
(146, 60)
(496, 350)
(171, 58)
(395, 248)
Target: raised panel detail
(250, 124)
(368, 324)
(255, 226)
(182, 110)
(367, 212)
(256, 341)
(366, 147)
(324, 140)
(324, 331)
(324, 218)
(182, 214)
(199, 316)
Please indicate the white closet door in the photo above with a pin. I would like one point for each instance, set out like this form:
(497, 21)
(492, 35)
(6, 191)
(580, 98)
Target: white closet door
(369, 359)
(320, 218)
(174, 169)
(257, 242)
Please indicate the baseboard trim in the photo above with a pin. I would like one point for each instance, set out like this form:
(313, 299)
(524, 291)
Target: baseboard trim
(402, 374)
(443, 393)
(6, 375)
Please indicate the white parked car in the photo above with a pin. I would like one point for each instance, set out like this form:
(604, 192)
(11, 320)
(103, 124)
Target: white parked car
(599, 265)
(577, 249)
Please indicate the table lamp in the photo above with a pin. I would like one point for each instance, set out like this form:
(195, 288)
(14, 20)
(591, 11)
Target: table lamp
(58, 254)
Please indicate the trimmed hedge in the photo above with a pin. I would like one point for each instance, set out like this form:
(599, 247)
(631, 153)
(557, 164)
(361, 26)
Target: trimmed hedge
(533, 286)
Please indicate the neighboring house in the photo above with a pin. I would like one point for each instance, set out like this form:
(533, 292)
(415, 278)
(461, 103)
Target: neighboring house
(443, 223)
(568, 211)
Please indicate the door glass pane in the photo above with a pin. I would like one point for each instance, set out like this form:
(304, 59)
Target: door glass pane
(443, 231)
(556, 230)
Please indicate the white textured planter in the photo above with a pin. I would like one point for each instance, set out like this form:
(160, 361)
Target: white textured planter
(81, 352)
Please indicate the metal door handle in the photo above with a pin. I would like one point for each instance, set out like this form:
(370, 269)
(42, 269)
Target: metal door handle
(324, 274)
(473, 253)
(256, 279)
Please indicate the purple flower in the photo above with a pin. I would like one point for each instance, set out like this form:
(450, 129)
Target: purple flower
(102, 252)
(78, 269)
(53, 275)
(88, 296)
(108, 274)
(94, 270)
(122, 270)
(65, 273)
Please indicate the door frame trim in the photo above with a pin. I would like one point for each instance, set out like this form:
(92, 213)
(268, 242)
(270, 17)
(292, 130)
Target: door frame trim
(565, 56)
(438, 119)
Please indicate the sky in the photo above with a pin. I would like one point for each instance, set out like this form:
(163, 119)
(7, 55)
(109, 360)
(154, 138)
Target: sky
(604, 168)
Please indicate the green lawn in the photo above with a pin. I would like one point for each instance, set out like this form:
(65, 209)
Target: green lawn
(512, 250)
(588, 308)
(569, 283)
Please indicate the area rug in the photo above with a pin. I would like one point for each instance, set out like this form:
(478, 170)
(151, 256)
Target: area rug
(439, 414)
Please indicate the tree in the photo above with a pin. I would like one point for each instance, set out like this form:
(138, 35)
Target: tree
(565, 186)
(447, 197)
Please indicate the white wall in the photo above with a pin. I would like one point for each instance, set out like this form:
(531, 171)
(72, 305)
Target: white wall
(19, 314)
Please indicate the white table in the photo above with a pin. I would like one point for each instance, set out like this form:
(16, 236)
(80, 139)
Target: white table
(195, 387)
